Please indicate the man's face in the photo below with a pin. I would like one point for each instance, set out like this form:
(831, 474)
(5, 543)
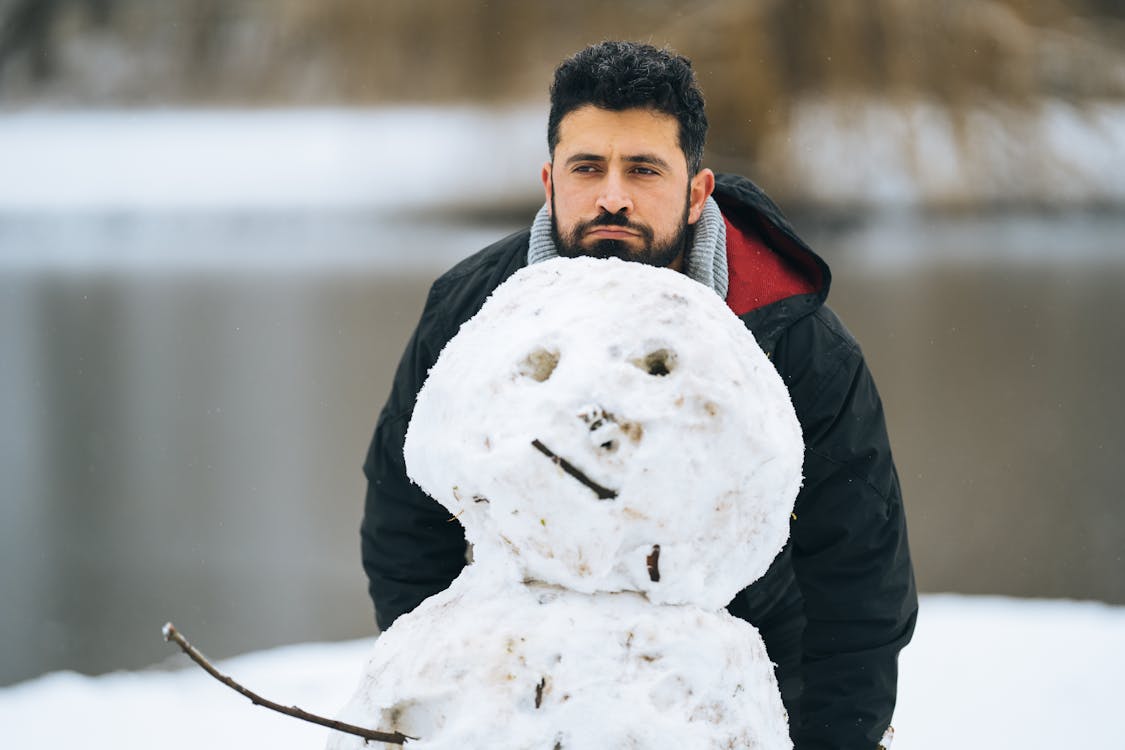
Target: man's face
(618, 186)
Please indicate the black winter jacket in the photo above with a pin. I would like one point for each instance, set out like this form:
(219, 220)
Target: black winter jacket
(837, 604)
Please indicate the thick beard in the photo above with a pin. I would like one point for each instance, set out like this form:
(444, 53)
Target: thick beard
(651, 252)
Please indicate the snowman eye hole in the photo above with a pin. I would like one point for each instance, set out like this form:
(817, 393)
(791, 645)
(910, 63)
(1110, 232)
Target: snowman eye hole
(659, 362)
(539, 364)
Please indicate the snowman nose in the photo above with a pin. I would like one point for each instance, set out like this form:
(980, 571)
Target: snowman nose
(605, 432)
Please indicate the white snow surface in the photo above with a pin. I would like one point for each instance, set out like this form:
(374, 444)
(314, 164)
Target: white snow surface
(551, 668)
(285, 159)
(869, 151)
(647, 383)
(985, 672)
(882, 153)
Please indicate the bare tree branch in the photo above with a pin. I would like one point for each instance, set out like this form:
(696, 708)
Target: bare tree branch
(394, 738)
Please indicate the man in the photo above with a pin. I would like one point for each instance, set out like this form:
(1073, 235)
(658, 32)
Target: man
(625, 179)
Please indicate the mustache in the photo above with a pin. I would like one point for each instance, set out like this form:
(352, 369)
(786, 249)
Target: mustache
(615, 220)
(610, 220)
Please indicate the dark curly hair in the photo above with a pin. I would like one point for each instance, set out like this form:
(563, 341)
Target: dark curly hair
(627, 75)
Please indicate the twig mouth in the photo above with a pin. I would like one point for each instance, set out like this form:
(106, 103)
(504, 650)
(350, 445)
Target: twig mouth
(603, 493)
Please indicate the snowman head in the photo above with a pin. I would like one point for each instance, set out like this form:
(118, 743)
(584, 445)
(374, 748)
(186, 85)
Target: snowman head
(609, 426)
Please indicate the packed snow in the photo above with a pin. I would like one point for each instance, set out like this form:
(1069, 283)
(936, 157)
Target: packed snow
(550, 668)
(624, 460)
(645, 381)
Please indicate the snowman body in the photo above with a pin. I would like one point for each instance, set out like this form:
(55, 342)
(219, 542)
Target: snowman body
(624, 460)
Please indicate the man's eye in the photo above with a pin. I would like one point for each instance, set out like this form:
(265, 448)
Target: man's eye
(585, 168)
(644, 171)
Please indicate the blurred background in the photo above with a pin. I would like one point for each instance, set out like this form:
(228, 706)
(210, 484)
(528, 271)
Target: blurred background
(219, 220)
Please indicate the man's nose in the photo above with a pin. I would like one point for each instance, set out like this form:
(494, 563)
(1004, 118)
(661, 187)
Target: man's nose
(614, 197)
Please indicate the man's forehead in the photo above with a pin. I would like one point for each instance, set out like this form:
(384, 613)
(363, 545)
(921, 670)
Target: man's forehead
(594, 130)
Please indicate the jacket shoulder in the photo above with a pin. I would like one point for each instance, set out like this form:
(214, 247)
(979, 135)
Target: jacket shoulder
(816, 356)
(458, 293)
(504, 257)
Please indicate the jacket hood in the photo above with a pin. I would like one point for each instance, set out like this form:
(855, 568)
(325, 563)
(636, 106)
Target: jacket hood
(775, 277)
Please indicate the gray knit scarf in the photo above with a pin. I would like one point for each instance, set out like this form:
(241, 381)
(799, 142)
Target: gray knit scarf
(706, 262)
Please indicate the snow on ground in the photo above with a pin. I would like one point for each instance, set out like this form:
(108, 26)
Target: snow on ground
(982, 673)
(359, 188)
(246, 160)
(869, 152)
(877, 153)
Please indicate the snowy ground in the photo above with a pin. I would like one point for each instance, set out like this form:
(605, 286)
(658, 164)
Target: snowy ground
(253, 160)
(872, 152)
(865, 152)
(981, 673)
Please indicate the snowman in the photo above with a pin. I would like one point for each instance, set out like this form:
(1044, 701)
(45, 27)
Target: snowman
(624, 459)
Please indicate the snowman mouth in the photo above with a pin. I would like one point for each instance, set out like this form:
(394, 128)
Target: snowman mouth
(603, 493)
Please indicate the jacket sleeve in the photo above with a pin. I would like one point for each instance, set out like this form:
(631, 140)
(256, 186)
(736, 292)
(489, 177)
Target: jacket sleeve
(850, 553)
(411, 547)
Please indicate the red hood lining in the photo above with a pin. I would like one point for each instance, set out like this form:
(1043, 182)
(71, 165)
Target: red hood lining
(759, 276)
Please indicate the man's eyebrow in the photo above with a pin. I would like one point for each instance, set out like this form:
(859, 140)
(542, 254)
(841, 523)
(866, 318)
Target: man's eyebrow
(652, 159)
(584, 157)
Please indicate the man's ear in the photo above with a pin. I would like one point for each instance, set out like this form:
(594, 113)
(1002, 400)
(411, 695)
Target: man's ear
(545, 175)
(702, 185)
